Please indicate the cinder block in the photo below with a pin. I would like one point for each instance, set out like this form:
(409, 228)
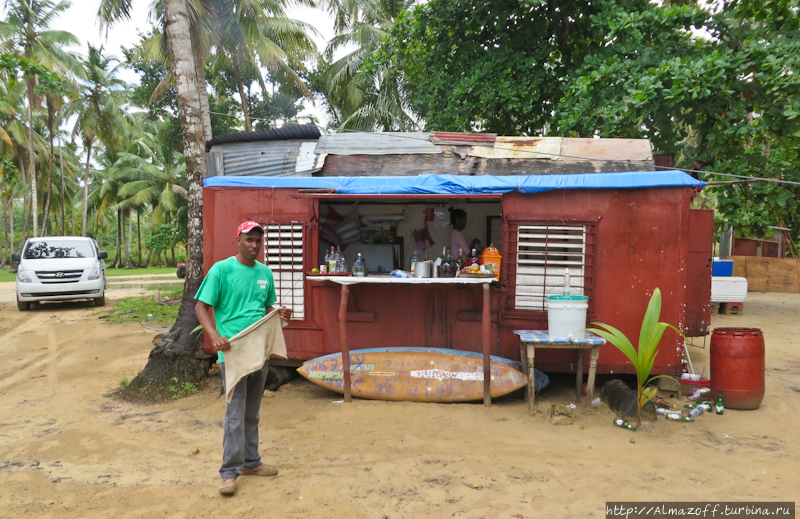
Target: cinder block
(731, 308)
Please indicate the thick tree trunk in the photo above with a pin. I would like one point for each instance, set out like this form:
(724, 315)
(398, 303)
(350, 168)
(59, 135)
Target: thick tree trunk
(179, 355)
(240, 84)
(32, 161)
(86, 189)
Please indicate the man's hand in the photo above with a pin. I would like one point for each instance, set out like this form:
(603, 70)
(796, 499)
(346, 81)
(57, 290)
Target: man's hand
(285, 313)
(220, 343)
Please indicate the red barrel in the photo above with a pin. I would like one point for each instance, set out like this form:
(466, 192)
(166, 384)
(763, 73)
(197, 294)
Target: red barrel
(737, 366)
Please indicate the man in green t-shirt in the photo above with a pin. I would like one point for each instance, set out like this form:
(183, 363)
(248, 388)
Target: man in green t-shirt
(241, 291)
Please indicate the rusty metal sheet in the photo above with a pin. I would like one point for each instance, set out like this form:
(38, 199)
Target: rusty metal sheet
(461, 138)
(377, 143)
(547, 148)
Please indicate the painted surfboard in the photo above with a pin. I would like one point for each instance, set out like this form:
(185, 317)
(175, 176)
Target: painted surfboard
(415, 374)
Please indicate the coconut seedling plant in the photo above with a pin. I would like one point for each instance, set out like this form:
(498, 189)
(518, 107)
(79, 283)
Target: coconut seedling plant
(644, 356)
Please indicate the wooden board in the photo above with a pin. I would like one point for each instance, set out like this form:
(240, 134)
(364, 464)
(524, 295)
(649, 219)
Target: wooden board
(415, 374)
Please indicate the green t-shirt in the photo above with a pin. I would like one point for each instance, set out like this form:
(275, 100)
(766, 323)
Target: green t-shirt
(239, 295)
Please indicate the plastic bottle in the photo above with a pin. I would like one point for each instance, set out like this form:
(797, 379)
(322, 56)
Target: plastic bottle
(697, 411)
(699, 393)
(414, 260)
(619, 422)
(720, 407)
(566, 282)
(706, 406)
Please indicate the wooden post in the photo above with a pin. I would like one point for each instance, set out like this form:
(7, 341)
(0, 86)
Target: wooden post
(487, 328)
(343, 341)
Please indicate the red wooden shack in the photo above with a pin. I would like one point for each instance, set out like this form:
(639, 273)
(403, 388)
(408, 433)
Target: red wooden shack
(621, 235)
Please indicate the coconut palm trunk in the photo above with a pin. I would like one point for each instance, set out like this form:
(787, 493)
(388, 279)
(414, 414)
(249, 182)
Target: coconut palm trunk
(240, 85)
(179, 354)
(50, 122)
(32, 159)
(86, 186)
(61, 174)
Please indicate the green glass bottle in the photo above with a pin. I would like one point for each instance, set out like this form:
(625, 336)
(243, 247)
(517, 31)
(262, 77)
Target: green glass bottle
(619, 422)
(720, 408)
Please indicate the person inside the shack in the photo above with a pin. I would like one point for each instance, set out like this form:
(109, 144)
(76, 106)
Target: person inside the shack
(241, 290)
(458, 219)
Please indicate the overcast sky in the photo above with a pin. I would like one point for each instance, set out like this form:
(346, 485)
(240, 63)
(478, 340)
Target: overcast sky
(81, 20)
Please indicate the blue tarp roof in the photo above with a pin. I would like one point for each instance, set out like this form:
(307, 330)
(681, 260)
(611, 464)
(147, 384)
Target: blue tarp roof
(464, 185)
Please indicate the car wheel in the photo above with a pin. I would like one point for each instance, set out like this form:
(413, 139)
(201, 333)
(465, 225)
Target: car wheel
(100, 301)
(23, 305)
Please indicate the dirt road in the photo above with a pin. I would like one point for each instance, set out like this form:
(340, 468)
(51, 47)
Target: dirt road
(69, 451)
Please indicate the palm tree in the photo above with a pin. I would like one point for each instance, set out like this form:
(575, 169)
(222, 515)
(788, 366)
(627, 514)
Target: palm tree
(256, 33)
(98, 111)
(359, 98)
(25, 33)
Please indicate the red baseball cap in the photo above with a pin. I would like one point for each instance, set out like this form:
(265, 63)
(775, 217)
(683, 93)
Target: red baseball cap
(249, 226)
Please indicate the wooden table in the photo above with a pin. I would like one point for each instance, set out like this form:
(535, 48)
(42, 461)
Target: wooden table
(346, 281)
(529, 340)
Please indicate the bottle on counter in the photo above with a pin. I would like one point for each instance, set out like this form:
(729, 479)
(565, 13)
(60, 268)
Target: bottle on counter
(414, 260)
(330, 259)
(472, 259)
(448, 267)
(460, 259)
(341, 266)
(360, 267)
(720, 407)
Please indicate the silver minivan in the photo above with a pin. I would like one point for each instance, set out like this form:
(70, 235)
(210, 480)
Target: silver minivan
(58, 268)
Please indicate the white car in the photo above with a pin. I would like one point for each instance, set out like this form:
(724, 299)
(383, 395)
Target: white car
(57, 268)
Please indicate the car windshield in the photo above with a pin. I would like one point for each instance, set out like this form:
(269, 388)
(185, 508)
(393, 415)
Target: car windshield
(48, 249)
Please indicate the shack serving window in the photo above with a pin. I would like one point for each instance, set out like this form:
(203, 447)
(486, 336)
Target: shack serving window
(538, 253)
(387, 230)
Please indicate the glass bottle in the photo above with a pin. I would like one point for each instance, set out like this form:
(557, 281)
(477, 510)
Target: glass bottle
(331, 259)
(460, 258)
(448, 265)
(341, 266)
(359, 267)
(414, 260)
(473, 259)
(720, 407)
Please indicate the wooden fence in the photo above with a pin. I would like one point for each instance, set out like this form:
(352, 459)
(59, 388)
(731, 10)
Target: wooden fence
(768, 274)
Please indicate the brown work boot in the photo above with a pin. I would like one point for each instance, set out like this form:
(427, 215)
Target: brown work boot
(261, 470)
(227, 486)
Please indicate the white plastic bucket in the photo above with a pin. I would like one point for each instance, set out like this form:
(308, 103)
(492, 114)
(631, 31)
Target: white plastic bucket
(566, 316)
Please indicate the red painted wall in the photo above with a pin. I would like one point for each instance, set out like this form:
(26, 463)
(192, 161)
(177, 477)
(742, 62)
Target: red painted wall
(642, 243)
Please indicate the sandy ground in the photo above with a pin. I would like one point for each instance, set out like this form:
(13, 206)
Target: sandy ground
(68, 450)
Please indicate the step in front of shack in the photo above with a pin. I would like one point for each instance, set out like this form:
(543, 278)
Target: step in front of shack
(620, 234)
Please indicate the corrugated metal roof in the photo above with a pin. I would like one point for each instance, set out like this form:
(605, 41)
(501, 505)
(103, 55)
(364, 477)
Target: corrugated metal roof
(548, 148)
(461, 138)
(295, 131)
(377, 143)
(265, 159)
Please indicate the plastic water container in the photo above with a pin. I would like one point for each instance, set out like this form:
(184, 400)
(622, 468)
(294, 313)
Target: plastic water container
(566, 316)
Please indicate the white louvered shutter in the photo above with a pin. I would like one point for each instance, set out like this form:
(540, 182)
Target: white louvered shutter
(283, 250)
